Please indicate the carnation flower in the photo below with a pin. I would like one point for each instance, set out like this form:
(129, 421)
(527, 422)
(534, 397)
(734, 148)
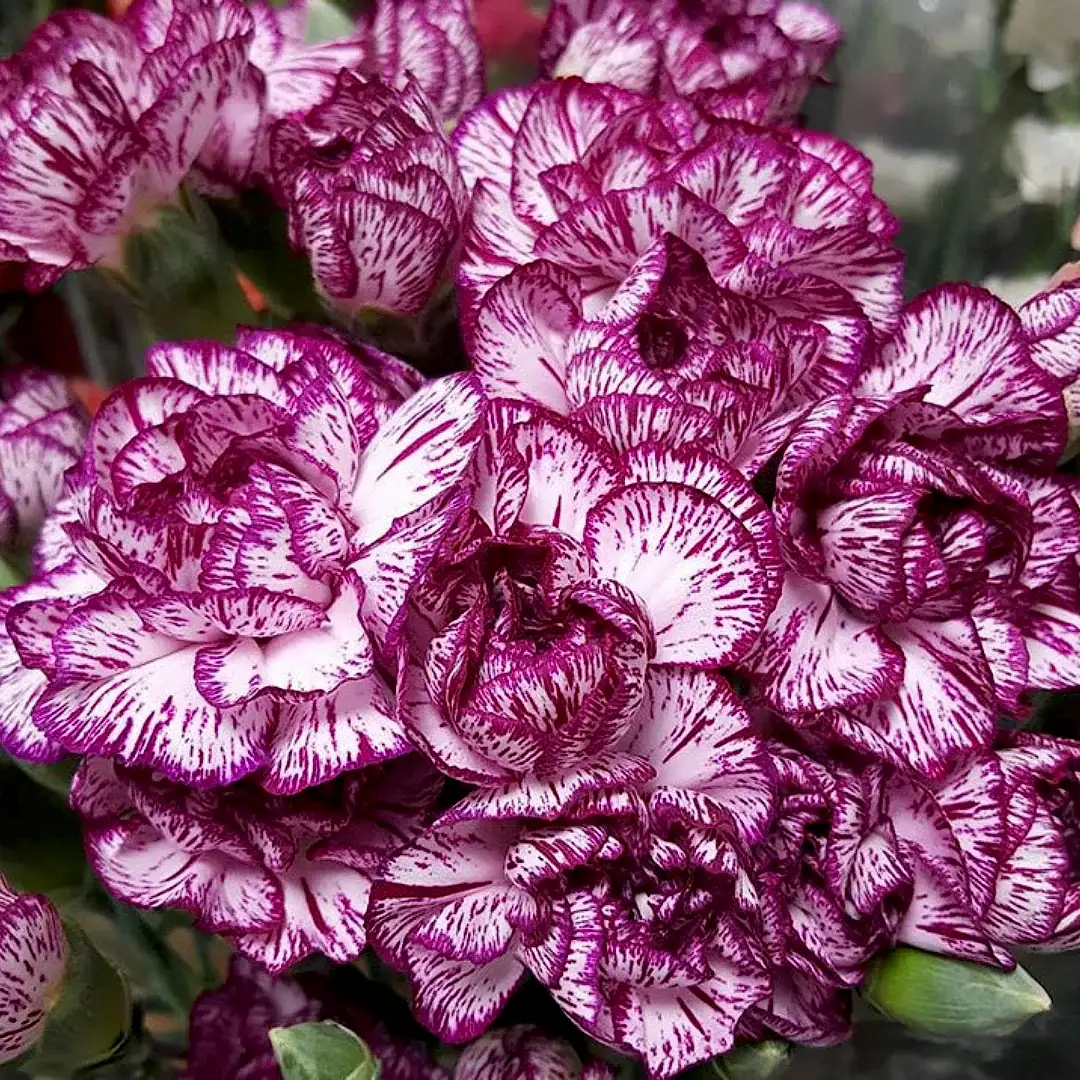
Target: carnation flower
(224, 589)
(521, 1053)
(229, 1027)
(971, 863)
(229, 1030)
(617, 245)
(101, 121)
(634, 901)
(931, 551)
(1052, 325)
(576, 571)
(42, 429)
(373, 195)
(817, 949)
(33, 955)
(286, 76)
(281, 877)
(673, 47)
(431, 42)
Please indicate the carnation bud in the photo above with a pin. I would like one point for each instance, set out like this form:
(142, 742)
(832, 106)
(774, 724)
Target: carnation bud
(322, 1051)
(952, 998)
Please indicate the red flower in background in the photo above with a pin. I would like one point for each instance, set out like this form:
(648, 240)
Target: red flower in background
(509, 29)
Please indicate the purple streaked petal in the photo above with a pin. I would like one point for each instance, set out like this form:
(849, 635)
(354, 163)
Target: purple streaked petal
(694, 566)
(518, 337)
(33, 956)
(318, 739)
(423, 452)
(698, 738)
(814, 655)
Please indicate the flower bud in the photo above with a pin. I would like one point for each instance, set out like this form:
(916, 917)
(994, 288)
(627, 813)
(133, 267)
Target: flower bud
(952, 998)
(322, 1051)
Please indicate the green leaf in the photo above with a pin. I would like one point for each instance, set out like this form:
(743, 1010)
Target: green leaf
(754, 1061)
(322, 1051)
(11, 574)
(55, 778)
(255, 232)
(92, 1019)
(952, 998)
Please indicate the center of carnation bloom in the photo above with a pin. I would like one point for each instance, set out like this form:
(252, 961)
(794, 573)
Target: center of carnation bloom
(335, 153)
(1064, 799)
(663, 341)
(660, 886)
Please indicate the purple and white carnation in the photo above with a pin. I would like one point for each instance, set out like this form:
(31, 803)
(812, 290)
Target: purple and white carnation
(286, 76)
(33, 956)
(970, 865)
(621, 246)
(42, 430)
(930, 549)
(1052, 325)
(281, 876)
(374, 197)
(576, 572)
(672, 48)
(101, 121)
(633, 898)
(229, 1027)
(223, 590)
(433, 43)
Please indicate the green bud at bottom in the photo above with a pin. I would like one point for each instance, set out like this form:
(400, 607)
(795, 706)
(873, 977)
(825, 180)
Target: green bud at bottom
(952, 998)
(322, 1051)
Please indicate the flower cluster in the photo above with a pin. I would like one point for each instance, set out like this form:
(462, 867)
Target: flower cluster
(771, 48)
(658, 660)
(103, 122)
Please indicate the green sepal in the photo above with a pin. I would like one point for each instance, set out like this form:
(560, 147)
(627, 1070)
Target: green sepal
(952, 998)
(752, 1061)
(322, 1051)
(92, 1019)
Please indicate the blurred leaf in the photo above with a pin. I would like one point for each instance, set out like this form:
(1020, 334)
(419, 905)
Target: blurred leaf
(10, 574)
(254, 229)
(322, 1051)
(327, 22)
(41, 845)
(183, 277)
(55, 778)
(952, 998)
(754, 1061)
(92, 1019)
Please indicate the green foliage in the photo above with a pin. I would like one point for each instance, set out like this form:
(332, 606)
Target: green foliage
(182, 277)
(322, 1051)
(92, 1019)
(952, 998)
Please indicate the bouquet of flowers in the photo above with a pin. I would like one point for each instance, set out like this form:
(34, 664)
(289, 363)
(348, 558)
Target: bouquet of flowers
(558, 614)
